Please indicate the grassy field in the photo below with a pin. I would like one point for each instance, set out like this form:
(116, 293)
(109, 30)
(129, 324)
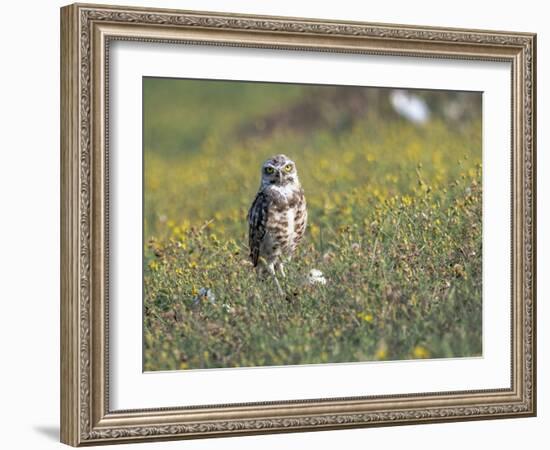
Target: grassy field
(394, 226)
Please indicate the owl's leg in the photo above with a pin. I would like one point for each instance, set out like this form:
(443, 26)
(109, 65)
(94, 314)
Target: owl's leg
(271, 270)
(279, 266)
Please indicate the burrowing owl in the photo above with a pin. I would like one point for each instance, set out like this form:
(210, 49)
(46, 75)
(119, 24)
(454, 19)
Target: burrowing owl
(278, 216)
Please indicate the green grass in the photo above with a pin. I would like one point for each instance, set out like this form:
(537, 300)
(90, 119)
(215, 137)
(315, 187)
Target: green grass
(394, 226)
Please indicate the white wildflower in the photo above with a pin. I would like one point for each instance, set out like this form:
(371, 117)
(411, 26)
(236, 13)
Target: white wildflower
(204, 294)
(315, 276)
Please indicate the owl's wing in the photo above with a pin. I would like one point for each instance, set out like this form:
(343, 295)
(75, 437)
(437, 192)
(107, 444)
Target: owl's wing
(257, 220)
(300, 219)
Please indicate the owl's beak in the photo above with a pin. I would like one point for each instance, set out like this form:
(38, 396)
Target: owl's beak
(280, 176)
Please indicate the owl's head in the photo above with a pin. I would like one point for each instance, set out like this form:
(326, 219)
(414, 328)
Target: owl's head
(280, 171)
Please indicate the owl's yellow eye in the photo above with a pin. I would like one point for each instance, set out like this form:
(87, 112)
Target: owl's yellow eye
(269, 170)
(288, 168)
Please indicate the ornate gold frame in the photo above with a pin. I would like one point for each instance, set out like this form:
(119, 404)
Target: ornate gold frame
(86, 31)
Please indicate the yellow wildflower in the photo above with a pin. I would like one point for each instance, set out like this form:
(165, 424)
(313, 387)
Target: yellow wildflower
(420, 352)
(365, 316)
(406, 200)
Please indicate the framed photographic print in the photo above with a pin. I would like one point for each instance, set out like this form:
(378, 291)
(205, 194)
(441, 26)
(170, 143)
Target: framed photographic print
(276, 225)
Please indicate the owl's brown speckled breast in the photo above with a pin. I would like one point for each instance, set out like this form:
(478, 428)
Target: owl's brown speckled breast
(286, 222)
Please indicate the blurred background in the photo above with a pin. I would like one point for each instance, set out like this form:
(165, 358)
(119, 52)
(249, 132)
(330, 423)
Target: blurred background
(204, 143)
